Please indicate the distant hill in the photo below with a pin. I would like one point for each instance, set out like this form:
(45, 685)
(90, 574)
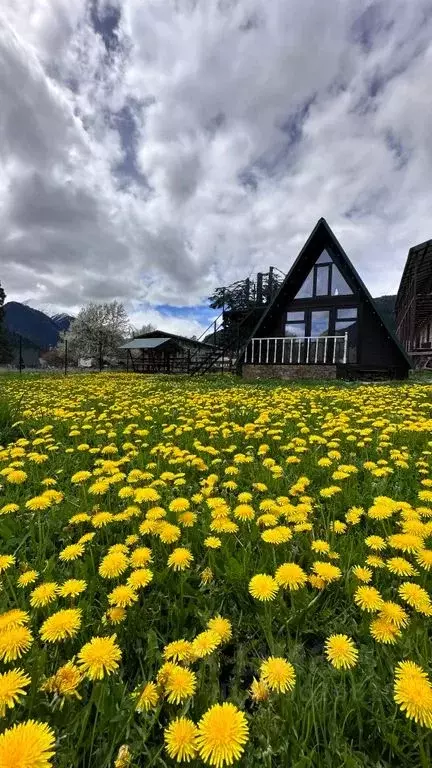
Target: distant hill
(62, 321)
(386, 305)
(33, 325)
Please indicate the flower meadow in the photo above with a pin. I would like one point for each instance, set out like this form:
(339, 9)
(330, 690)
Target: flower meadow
(210, 572)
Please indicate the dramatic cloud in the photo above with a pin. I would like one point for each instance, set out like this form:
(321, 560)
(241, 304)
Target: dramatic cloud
(150, 151)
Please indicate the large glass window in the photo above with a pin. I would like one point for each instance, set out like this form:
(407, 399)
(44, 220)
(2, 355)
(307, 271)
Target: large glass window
(306, 291)
(350, 327)
(322, 280)
(325, 279)
(295, 325)
(325, 258)
(339, 286)
(295, 329)
(320, 320)
(347, 313)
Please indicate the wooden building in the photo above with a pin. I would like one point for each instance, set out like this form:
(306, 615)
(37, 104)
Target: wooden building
(164, 352)
(414, 305)
(323, 323)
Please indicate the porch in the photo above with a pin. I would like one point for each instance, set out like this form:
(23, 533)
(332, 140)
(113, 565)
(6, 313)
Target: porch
(297, 350)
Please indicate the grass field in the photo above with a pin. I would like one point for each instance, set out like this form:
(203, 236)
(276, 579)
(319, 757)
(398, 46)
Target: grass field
(171, 545)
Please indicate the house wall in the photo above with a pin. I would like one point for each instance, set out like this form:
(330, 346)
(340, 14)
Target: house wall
(290, 372)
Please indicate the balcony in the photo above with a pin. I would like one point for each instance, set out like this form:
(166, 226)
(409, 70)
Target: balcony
(297, 350)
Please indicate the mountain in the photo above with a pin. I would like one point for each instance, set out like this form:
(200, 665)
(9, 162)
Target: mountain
(62, 321)
(386, 305)
(31, 324)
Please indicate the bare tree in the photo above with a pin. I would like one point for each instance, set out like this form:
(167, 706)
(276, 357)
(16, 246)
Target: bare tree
(146, 328)
(97, 331)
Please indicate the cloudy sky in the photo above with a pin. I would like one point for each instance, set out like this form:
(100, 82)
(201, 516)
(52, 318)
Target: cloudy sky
(151, 150)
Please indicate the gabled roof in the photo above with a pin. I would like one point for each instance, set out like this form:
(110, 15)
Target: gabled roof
(167, 335)
(143, 343)
(320, 237)
(416, 281)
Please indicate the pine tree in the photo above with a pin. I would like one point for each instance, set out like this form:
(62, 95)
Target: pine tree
(6, 353)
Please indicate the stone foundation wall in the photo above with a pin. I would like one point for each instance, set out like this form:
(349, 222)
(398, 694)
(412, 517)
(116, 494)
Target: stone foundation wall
(291, 372)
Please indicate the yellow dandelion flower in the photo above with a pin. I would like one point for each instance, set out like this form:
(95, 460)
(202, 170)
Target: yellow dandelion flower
(179, 505)
(368, 599)
(280, 534)
(124, 757)
(384, 631)
(278, 674)
(416, 597)
(290, 576)
(146, 697)
(6, 561)
(263, 587)
(44, 594)
(424, 558)
(26, 578)
(72, 587)
(72, 552)
(259, 691)
(61, 625)
(13, 618)
(64, 682)
(341, 651)
(12, 686)
(413, 692)
(212, 542)
(122, 596)
(113, 565)
(169, 533)
(180, 738)
(16, 476)
(393, 613)
(377, 543)
(29, 744)
(400, 566)
(222, 735)
(180, 685)
(362, 574)
(145, 495)
(140, 578)
(221, 626)
(205, 643)
(326, 571)
(98, 657)
(180, 559)
(14, 642)
(407, 542)
(140, 557)
(206, 576)
(178, 650)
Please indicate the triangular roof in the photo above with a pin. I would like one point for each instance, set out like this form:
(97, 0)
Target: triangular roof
(320, 238)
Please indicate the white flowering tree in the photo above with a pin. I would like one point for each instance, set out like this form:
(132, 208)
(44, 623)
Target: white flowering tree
(97, 332)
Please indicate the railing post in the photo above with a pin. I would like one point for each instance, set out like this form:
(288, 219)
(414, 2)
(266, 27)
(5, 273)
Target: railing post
(345, 348)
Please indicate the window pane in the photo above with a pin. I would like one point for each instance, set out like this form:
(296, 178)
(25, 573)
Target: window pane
(296, 317)
(324, 258)
(295, 329)
(339, 285)
(306, 291)
(322, 276)
(350, 327)
(320, 323)
(349, 313)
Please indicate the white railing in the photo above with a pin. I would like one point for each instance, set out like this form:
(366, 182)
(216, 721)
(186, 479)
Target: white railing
(284, 350)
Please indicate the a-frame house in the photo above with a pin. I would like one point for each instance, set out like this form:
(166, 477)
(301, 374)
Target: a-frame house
(323, 322)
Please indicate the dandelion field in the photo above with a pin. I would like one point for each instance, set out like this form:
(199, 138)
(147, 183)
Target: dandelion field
(210, 572)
